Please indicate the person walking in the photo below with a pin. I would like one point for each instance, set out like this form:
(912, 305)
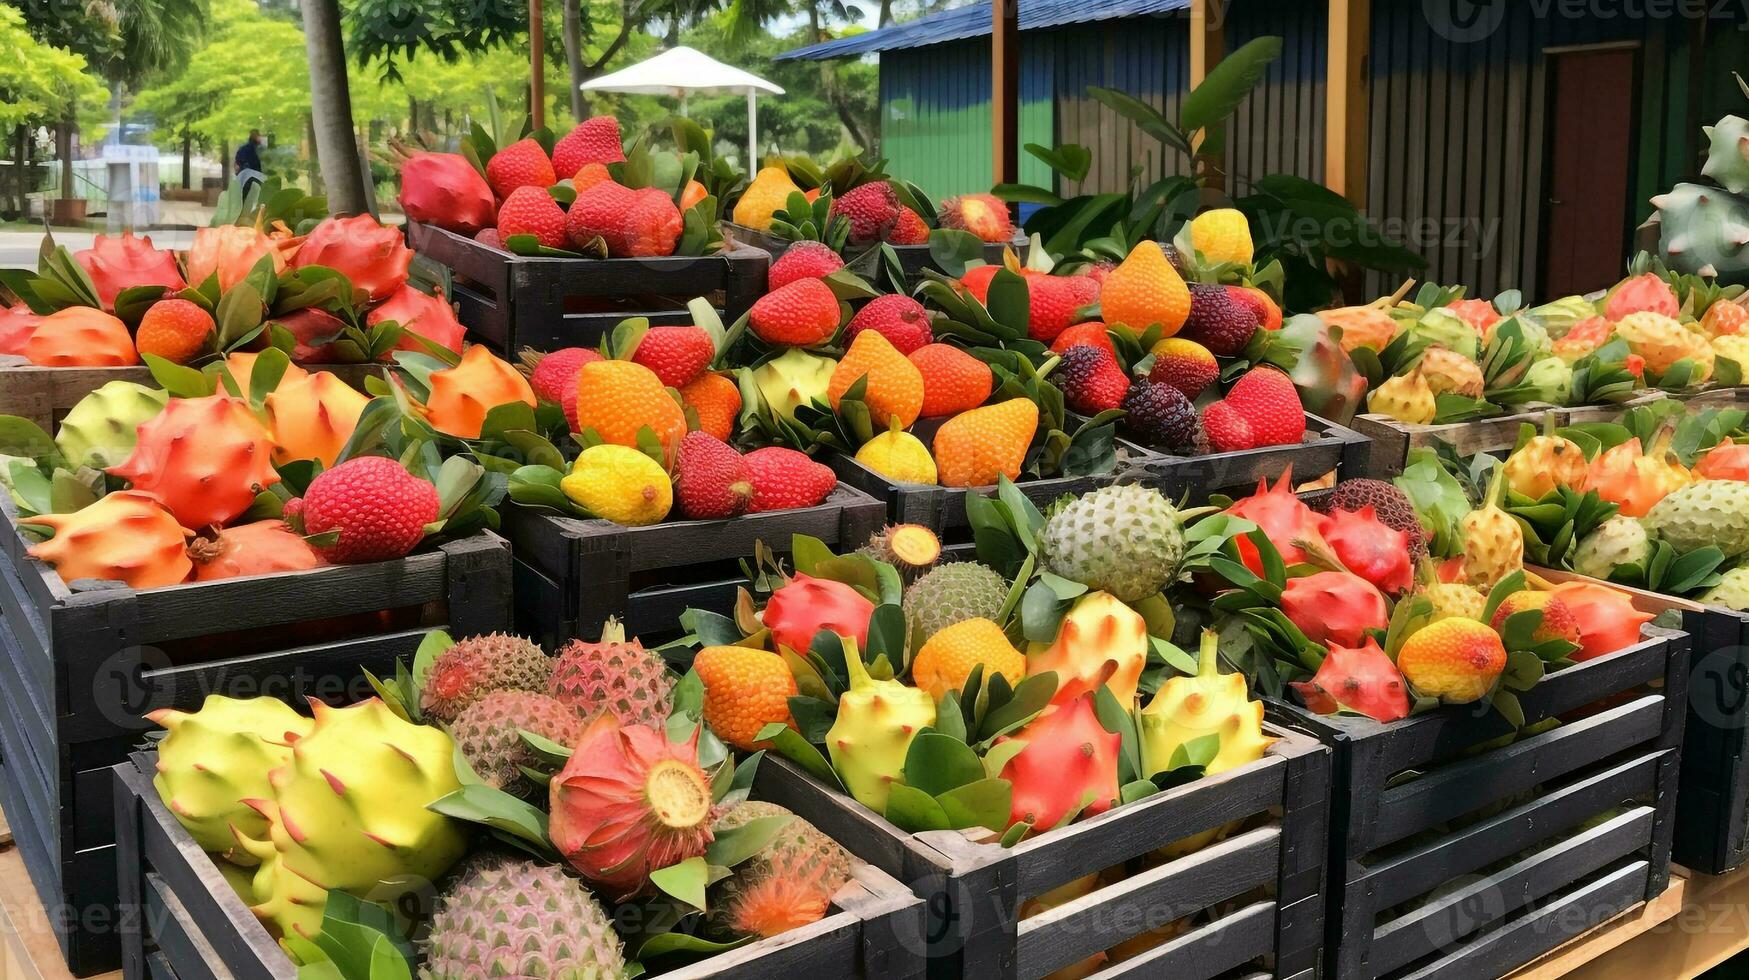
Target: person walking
(247, 165)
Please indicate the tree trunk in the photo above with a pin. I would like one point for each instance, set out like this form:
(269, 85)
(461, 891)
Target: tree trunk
(310, 154)
(672, 38)
(886, 13)
(21, 167)
(331, 108)
(829, 83)
(573, 34)
(187, 156)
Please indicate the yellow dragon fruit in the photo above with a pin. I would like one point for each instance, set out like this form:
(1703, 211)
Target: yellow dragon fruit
(1449, 371)
(348, 811)
(1546, 462)
(1493, 541)
(1099, 631)
(1662, 341)
(875, 725)
(1407, 398)
(217, 757)
(1732, 347)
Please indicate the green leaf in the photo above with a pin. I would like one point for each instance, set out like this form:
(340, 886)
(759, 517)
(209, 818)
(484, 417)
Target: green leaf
(787, 742)
(1145, 116)
(986, 803)
(936, 763)
(675, 943)
(737, 844)
(1199, 752)
(1029, 698)
(22, 437)
(686, 881)
(1228, 84)
(913, 810)
(1070, 161)
(481, 804)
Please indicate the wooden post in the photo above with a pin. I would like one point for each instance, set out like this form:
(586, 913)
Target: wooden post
(537, 76)
(1346, 99)
(1005, 90)
(1208, 38)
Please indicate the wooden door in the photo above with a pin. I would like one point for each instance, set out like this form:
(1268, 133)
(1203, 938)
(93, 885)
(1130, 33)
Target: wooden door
(1590, 152)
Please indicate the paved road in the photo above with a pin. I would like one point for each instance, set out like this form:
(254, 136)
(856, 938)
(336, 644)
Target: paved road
(18, 248)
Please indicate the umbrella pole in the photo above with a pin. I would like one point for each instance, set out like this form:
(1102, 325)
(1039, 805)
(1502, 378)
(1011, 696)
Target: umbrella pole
(752, 131)
(537, 80)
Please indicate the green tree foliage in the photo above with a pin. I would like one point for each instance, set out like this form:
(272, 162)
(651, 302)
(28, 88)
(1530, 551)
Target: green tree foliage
(39, 82)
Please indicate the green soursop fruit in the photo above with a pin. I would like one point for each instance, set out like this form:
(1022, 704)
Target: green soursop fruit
(349, 811)
(479, 665)
(1704, 230)
(953, 593)
(1125, 540)
(100, 430)
(1616, 542)
(788, 883)
(1732, 592)
(1727, 155)
(1558, 317)
(217, 757)
(511, 917)
(1553, 380)
(1711, 512)
(487, 735)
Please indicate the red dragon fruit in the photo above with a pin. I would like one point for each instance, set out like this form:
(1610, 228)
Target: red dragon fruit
(370, 254)
(627, 803)
(806, 605)
(1334, 607)
(1283, 517)
(1069, 765)
(116, 263)
(1369, 548)
(17, 323)
(205, 459)
(445, 190)
(1359, 679)
(1640, 294)
(422, 313)
(314, 330)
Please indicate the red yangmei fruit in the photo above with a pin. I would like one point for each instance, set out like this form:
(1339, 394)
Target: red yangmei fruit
(899, 318)
(1359, 679)
(1089, 334)
(177, 330)
(984, 215)
(1069, 760)
(909, 230)
(977, 281)
(1051, 305)
(1091, 380)
(805, 605)
(554, 378)
(675, 355)
(594, 140)
(803, 260)
(444, 190)
(532, 211)
(373, 255)
(115, 263)
(873, 210)
(801, 314)
(379, 509)
(1220, 320)
(1084, 288)
(1369, 548)
(784, 479)
(712, 481)
(418, 312)
(1282, 517)
(1261, 409)
(633, 223)
(1334, 607)
(521, 164)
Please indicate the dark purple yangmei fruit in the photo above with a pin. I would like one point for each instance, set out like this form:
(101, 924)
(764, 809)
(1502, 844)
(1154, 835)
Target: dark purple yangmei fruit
(1159, 416)
(1218, 321)
(1091, 380)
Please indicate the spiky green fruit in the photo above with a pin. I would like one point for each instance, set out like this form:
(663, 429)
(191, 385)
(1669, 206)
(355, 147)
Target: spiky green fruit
(510, 917)
(348, 811)
(875, 725)
(953, 593)
(1704, 230)
(217, 757)
(1711, 512)
(1616, 542)
(1732, 591)
(1727, 156)
(478, 665)
(100, 430)
(1125, 540)
(788, 883)
(488, 735)
(1553, 380)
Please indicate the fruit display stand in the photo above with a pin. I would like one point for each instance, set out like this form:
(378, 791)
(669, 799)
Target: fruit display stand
(515, 301)
(1255, 894)
(913, 259)
(572, 574)
(45, 394)
(79, 665)
(181, 919)
(1392, 440)
(1456, 855)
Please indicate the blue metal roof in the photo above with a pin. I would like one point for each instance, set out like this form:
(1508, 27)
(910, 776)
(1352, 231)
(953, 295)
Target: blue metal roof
(973, 20)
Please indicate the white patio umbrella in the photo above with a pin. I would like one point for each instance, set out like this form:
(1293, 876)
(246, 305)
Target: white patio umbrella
(680, 71)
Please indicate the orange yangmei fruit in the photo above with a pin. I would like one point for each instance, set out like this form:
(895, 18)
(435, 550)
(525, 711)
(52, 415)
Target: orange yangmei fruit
(953, 380)
(895, 386)
(744, 690)
(175, 329)
(949, 656)
(973, 448)
(1145, 290)
(618, 398)
(716, 401)
(1456, 660)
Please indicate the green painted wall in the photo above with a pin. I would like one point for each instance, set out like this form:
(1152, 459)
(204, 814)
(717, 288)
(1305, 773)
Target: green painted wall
(935, 117)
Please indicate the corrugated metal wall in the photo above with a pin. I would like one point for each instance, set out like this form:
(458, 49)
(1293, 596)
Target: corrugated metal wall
(1459, 132)
(935, 116)
(1280, 128)
(1147, 57)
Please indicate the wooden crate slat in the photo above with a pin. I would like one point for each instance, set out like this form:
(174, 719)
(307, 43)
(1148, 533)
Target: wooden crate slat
(1491, 898)
(1459, 788)
(1107, 916)
(178, 936)
(1402, 877)
(1225, 944)
(159, 968)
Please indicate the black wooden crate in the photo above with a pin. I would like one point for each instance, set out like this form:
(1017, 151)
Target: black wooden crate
(79, 666)
(572, 573)
(515, 301)
(1543, 846)
(863, 259)
(1257, 893)
(179, 914)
